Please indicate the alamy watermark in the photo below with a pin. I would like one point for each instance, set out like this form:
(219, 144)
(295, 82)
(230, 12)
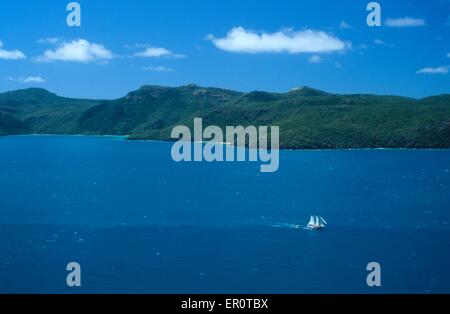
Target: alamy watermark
(373, 279)
(73, 278)
(74, 17)
(374, 17)
(213, 144)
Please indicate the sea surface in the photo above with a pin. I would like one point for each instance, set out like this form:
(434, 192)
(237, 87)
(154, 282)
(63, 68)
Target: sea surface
(138, 222)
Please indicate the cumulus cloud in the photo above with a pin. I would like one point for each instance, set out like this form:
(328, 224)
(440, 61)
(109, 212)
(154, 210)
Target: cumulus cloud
(79, 50)
(156, 52)
(241, 40)
(10, 54)
(405, 22)
(157, 69)
(430, 70)
(28, 79)
(315, 59)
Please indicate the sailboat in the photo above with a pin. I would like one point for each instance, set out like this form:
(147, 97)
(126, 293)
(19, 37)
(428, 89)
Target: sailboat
(316, 223)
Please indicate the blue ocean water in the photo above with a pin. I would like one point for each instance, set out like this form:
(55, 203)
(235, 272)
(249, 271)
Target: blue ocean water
(137, 222)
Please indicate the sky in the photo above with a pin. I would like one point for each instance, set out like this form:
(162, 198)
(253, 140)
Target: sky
(245, 45)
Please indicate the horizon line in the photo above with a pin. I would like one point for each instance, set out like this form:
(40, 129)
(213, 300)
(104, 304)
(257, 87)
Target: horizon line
(292, 90)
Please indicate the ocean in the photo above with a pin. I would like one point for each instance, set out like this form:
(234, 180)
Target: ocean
(138, 222)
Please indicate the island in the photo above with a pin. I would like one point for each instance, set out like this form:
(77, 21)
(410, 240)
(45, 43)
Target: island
(308, 118)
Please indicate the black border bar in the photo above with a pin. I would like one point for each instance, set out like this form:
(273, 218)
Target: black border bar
(360, 302)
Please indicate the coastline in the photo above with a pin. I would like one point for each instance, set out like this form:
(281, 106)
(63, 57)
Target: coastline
(127, 138)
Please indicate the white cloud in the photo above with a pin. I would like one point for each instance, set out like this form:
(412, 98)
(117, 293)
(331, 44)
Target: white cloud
(28, 79)
(344, 25)
(315, 59)
(241, 40)
(438, 70)
(155, 52)
(157, 69)
(10, 54)
(405, 22)
(381, 42)
(79, 50)
(48, 40)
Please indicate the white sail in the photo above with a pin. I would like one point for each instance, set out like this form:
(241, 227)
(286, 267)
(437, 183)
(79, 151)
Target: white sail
(316, 222)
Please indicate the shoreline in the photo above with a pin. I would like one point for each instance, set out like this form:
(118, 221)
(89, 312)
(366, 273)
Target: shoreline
(127, 138)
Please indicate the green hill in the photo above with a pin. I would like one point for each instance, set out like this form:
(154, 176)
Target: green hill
(40, 111)
(308, 118)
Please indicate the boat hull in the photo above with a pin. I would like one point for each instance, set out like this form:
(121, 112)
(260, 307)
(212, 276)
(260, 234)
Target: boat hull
(315, 227)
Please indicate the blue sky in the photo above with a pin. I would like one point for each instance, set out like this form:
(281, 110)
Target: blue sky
(243, 45)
